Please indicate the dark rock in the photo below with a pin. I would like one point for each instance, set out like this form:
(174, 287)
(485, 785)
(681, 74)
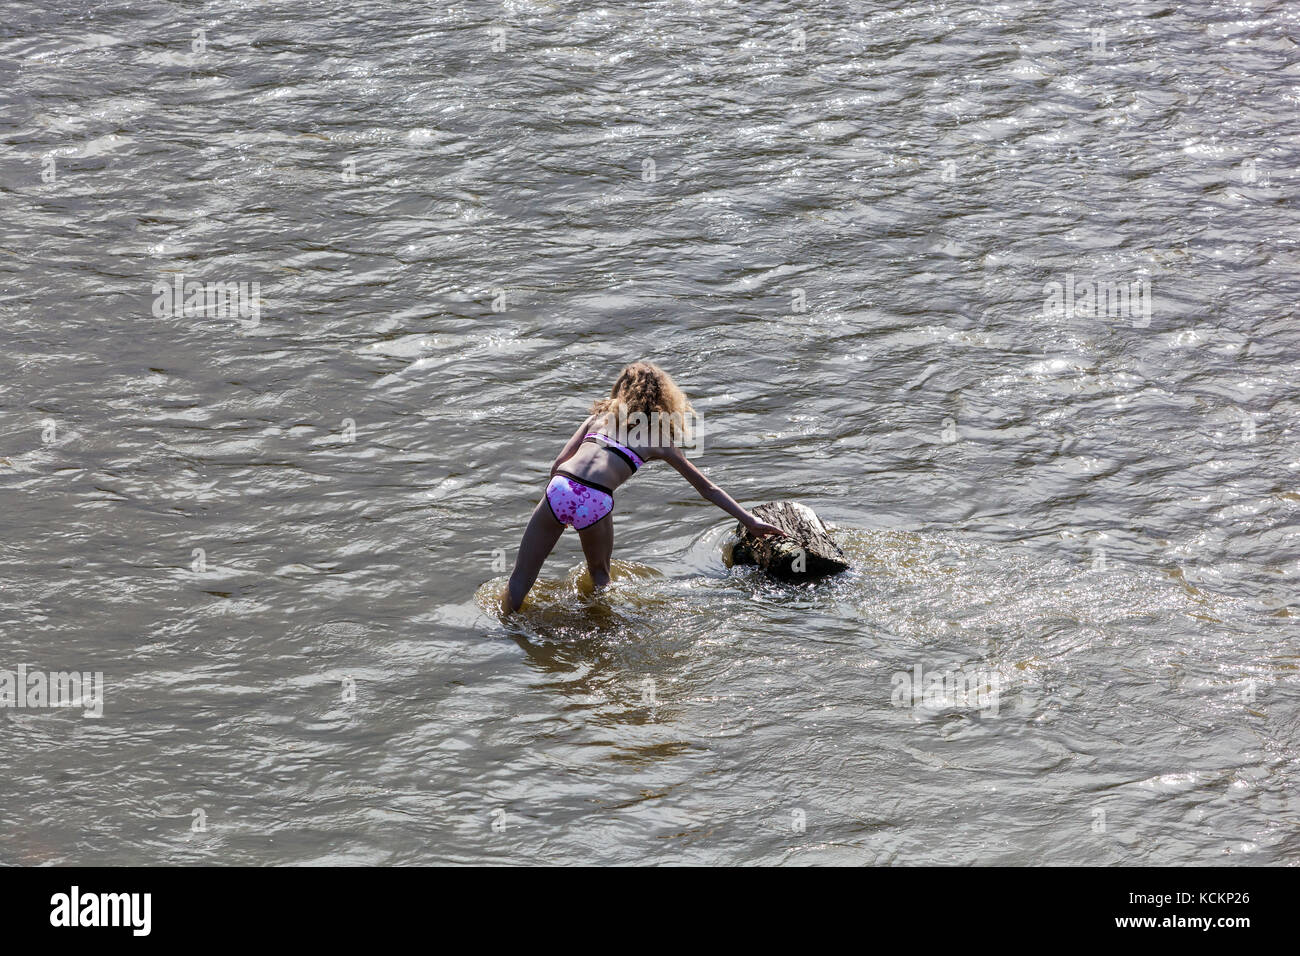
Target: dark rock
(807, 552)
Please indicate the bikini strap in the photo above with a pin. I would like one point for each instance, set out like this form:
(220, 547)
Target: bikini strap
(627, 454)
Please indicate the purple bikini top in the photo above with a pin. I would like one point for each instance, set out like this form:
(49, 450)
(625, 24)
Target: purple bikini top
(627, 454)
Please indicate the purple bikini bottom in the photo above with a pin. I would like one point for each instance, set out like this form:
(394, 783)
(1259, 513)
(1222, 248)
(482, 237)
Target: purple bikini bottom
(577, 502)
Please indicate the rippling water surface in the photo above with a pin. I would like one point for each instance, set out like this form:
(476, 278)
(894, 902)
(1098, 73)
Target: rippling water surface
(836, 223)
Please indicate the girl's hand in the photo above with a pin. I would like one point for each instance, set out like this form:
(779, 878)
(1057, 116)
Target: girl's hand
(762, 529)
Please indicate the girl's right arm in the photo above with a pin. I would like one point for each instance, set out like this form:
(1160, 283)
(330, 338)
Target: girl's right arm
(711, 492)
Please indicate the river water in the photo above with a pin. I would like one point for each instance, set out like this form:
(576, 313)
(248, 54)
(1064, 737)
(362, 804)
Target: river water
(847, 229)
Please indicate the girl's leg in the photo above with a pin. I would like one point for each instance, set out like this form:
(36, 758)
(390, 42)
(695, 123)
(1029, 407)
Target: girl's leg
(539, 538)
(598, 546)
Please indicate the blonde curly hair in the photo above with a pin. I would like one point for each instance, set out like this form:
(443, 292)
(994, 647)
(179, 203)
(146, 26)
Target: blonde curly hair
(645, 393)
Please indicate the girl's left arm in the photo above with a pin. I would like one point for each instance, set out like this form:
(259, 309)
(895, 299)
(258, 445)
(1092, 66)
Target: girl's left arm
(571, 446)
(711, 492)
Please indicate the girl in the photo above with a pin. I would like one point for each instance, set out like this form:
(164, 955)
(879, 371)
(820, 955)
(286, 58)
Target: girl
(581, 495)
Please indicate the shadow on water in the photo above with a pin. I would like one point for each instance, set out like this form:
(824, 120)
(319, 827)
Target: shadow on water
(566, 620)
(616, 643)
(648, 626)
